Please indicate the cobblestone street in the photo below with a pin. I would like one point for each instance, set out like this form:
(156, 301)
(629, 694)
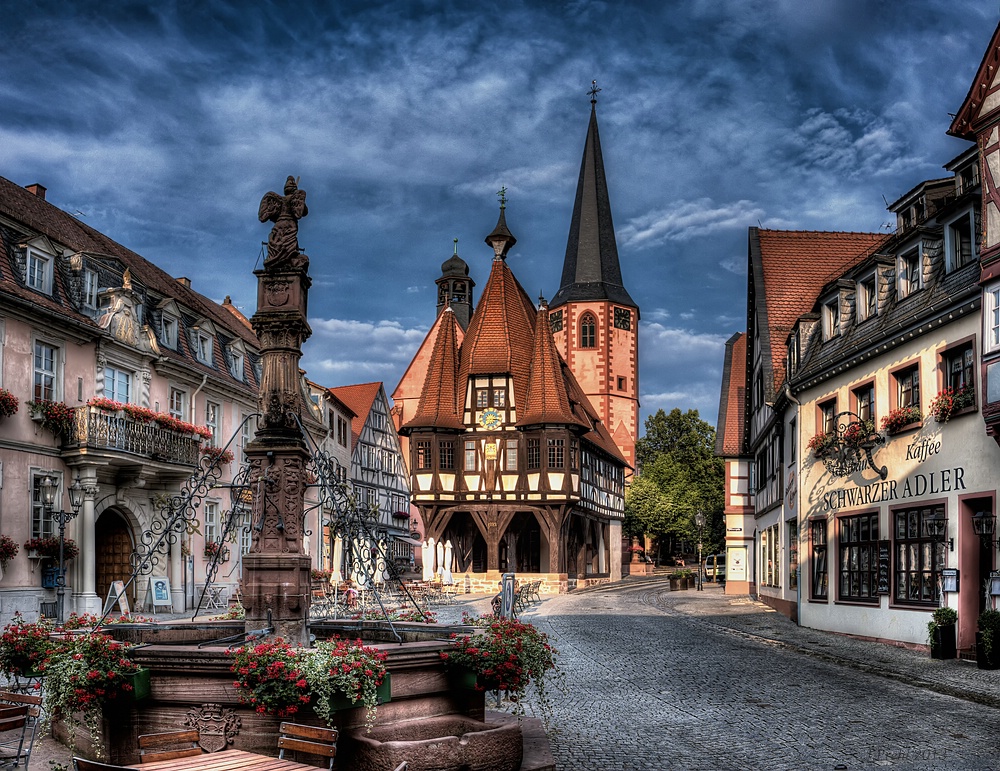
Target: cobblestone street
(661, 680)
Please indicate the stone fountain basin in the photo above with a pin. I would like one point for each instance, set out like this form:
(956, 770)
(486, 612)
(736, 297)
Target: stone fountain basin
(442, 743)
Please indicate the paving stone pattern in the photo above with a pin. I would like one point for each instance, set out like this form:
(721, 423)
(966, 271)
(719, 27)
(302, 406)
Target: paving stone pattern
(697, 680)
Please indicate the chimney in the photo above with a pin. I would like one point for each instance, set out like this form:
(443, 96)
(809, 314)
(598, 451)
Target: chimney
(37, 189)
(184, 281)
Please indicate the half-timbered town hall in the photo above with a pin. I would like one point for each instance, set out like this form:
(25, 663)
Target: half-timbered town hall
(520, 420)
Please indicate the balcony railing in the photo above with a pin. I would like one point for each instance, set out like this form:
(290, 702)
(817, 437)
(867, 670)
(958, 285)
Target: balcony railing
(97, 429)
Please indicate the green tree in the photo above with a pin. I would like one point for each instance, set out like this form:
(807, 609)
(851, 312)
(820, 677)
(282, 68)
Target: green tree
(679, 475)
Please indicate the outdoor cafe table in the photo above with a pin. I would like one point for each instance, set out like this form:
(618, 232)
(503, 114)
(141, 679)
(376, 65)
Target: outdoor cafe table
(227, 760)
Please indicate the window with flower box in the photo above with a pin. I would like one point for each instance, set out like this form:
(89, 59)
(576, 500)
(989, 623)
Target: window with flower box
(864, 401)
(47, 363)
(817, 543)
(42, 525)
(857, 547)
(919, 558)
(958, 364)
(827, 416)
(907, 386)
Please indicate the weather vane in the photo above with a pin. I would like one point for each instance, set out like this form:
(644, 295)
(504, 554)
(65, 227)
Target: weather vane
(593, 91)
(502, 193)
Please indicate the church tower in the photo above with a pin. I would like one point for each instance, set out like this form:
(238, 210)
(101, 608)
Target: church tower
(594, 320)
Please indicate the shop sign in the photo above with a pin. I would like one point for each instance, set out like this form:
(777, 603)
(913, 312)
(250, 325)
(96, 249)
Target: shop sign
(921, 449)
(914, 486)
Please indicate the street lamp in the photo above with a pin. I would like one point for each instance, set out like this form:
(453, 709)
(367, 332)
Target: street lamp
(49, 486)
(699, 521)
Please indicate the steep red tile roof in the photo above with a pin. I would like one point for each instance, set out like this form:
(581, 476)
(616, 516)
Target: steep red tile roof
(500, 334)
(729, 429)
(439, 405)
(547, 400)
(407, 393)
(789, 269)
(359, 399)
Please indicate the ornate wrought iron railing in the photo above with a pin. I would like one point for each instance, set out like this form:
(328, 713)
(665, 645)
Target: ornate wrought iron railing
(95, 428)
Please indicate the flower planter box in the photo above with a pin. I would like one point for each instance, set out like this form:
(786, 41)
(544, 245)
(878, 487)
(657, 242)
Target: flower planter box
(384, 696)
(943, 642)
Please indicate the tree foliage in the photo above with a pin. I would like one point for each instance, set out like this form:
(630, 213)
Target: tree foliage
(679, 475)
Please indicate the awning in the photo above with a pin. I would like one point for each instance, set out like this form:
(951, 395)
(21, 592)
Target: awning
(410, 541)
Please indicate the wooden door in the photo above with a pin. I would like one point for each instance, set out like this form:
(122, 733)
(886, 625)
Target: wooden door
(114, 548)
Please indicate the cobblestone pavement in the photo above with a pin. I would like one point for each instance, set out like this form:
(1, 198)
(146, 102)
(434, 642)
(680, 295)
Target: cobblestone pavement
(697, 680)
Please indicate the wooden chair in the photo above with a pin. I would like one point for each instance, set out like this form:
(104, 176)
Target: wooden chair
(19, 713)
(80, 764)
(169, 745)
(312, 740)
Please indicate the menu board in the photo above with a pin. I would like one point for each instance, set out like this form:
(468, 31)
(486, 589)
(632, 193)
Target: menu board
(883, 567)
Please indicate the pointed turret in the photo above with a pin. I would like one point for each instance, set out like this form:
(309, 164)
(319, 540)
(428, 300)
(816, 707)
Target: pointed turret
(438, 405)
(501, 238)
(591, 270)
(455, 288)
(547, 400)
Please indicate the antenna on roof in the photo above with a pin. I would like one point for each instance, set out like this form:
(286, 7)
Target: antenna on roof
(885, 201)
(759, 224)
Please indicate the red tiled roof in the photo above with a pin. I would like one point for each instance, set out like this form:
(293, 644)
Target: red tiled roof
(359, 399)
(729, 442)
(790, 268)
(501, 331)
(547, 400)
(438, 405)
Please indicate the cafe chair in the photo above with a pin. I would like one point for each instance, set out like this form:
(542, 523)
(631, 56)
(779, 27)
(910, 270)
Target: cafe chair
(309, 739)
(19, 713)
(169, 745)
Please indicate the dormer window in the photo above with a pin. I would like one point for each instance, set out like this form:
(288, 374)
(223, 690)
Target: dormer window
(39, 276)
(90, 289)
(909, 272)
(867, 298)
(203, 346)
(831, 318)
(169, 325)
(238, 363)
(958, 244)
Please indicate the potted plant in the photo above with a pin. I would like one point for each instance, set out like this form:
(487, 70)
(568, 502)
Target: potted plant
(8, 550)
(269, 677)
(988, 640)
(901, 418)
(675, 581)
(217, 455)
(950, 401)
(8, 403)
(54, 416)
(342, 673)
(25, 646)
(941, 633)
(86, 673)
(214, 547)
(505, 654)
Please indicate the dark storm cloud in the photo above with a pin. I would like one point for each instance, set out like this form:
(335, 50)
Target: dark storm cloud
(164, 124)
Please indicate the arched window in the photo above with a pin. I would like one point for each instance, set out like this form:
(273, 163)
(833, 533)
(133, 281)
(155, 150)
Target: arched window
(587, 326)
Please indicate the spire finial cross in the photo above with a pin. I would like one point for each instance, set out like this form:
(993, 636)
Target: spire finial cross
(593, 91)
(502, 193)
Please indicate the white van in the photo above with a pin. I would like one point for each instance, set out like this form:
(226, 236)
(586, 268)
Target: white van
(715, 567)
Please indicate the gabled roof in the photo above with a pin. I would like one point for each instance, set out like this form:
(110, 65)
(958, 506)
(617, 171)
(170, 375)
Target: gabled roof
(501, 333)
(439, 397)
(729, 428)
(359, 399)
(412, 383)
(548, 397)
(591, 270)
(983, 98)
(788, 269)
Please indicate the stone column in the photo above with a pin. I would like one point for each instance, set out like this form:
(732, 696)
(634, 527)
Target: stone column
(615, 550)
(176, 576)
(84, 597)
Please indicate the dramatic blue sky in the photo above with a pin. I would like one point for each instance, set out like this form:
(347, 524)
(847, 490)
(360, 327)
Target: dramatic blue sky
(163, 125)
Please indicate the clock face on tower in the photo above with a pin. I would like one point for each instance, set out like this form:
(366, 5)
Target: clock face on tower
(623, 318)
(490, 418)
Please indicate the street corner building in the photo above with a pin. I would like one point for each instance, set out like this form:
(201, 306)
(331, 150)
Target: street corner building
(860, 428)
(122, 377)
(519, 420)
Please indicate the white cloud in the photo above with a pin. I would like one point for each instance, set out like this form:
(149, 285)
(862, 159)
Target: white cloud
(685, 220)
